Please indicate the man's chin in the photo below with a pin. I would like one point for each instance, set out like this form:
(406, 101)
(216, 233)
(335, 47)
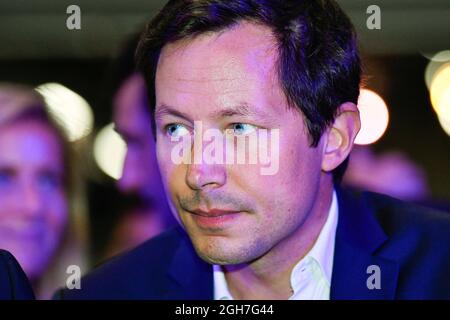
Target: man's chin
(219, 260)
(221, 255)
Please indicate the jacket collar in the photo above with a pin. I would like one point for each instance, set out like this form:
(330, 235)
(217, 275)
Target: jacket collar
(358, 236)
(189, 277)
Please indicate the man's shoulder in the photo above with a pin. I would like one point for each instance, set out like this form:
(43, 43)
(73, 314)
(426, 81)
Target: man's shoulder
(408, 242)
(399, 218)
(132, 274)
(418, 240)
(418, 237)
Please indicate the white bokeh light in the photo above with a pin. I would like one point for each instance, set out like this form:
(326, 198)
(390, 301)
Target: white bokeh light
(374, 117)
(440, 95)
(109, 151)
(69, 109)
(436, 62)
(440, 91)
(445, 124)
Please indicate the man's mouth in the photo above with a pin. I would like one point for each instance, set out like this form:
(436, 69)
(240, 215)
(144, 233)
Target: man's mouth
(215, 219)
(214, 212)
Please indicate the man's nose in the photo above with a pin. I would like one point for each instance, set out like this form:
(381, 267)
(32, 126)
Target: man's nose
(202, 174)
(205, 176)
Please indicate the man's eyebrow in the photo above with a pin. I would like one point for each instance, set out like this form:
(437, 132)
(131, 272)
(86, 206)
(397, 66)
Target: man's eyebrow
(163, 110)
(243, 109)
(239, 110)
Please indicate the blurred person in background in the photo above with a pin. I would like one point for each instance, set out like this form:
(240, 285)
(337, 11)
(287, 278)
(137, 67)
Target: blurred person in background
(391, 173)
(135, 224)
(147, 213)
(35, 189)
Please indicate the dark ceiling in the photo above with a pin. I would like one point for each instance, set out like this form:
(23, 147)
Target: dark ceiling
(37, 29)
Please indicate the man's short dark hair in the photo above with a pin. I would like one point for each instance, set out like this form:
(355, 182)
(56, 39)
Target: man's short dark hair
(318, 62)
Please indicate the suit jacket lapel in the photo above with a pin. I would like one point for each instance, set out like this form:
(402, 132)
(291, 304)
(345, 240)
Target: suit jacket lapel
(358, 236)
(188, 276)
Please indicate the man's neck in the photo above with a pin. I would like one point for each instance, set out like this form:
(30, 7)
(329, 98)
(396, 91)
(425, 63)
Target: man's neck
(268, 277)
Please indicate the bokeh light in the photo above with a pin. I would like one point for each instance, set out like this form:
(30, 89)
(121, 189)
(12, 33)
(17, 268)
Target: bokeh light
(374, 117)
(109, 151)
(445, 124)
(69, 109)
(436, 62)
(440, 93)
(437, 78)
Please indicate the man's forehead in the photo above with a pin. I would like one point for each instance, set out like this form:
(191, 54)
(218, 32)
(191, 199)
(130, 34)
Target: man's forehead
(246, 46)
(232, 72)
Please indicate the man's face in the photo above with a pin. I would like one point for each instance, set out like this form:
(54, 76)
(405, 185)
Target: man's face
(140, 174)
(232, 213)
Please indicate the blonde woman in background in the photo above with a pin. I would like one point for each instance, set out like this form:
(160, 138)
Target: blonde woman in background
(37, 222)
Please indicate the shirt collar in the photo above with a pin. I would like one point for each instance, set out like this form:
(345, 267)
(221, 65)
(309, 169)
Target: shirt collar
(323, 250)
(321, 254)
(221, 291)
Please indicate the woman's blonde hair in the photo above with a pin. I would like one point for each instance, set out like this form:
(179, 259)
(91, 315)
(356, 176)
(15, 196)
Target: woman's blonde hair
(19, 103)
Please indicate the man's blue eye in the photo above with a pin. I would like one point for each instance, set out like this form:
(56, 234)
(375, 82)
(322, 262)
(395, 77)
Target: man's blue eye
(243, 128)
(176, 130)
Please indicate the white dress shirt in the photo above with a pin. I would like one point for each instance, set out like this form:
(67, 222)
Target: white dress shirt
(311, 276)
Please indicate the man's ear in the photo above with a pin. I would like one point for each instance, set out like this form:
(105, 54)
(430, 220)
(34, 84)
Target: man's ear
(340, 136)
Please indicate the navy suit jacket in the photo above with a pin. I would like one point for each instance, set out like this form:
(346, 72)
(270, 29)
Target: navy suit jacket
(14, 284)
(409, 244)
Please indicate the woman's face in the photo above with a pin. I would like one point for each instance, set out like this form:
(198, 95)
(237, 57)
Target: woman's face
(33, 204)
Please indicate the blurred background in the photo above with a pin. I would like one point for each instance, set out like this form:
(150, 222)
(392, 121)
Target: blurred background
(403, 149)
